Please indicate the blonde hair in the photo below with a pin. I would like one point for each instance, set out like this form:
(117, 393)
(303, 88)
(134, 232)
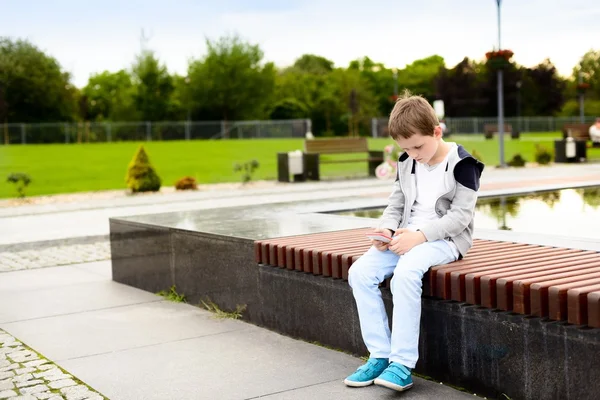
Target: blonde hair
(412, 115)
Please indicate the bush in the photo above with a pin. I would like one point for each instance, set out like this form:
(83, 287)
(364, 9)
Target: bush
(476, 154)
(247, 169)
(186, 183)
(21, 180)
(517, 161)
(141, 176)
(543, 156)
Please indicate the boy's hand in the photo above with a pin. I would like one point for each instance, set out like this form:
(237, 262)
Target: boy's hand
(379, 245)
(406, 240)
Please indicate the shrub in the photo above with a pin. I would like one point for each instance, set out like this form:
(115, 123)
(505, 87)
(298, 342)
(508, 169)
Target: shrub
(517, 161)
(186, 183)
(141, 176)
(21, 180)
(543, 156)
(247, 169)
(476, 154)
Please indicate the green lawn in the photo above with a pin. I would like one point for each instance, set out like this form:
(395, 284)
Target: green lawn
(63, 168)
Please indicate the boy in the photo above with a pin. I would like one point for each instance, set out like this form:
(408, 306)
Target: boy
(430, 216)
(594, 132)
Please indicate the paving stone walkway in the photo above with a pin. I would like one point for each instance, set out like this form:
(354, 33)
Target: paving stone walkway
(26, 375)
(54, 256)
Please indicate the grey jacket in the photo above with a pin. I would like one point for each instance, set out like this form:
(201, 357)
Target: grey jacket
(455, 208)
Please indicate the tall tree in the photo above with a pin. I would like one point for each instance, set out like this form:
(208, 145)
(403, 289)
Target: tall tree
(231, 81)
(419, 76)
(110, 96)
(314, 64)
(34, 88)
(590, 68)
(154, 87)
(460, 88)
(543, 90)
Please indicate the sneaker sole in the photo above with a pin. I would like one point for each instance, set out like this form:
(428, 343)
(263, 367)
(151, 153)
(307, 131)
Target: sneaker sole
(357, 384)
(393, 386)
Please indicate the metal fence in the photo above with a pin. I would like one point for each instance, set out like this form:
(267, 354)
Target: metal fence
(93, 132)
(475, 125)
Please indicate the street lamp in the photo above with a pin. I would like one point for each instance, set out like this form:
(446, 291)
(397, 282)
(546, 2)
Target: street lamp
(500, 97)
(518, 84)
(581, 106)
(395, 74)
(188, 98)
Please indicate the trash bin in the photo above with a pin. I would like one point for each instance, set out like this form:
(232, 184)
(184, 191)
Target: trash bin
(570, 150)
(295, 162)
(291, 163)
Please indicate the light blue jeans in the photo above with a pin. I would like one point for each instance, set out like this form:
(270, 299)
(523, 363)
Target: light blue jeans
(402, 343)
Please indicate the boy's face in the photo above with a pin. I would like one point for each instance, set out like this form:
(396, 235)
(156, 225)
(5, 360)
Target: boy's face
(421, 147)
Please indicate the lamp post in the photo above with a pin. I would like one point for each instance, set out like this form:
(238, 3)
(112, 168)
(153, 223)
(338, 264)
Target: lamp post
(395, 74)
(581, 113)
(518, 84)
(500, 97)
(188, 98)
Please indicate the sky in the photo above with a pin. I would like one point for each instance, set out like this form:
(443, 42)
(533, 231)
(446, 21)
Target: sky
(88, 37)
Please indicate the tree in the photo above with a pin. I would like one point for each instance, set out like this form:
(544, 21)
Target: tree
(380, 80)
(419, 77)
(543, 90)
(460, 88)
(34, 88)
(110, 96)
(314, 64)
(590, 68)
(231, 82)
(154, 87)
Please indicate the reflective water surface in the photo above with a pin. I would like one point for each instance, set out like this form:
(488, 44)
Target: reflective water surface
(568, 212)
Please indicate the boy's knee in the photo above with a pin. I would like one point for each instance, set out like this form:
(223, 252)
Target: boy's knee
(404, 276)
(360, 273)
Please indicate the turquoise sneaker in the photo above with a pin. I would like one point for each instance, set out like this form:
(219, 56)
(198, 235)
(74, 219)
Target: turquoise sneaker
(396, 377)
(366, 373)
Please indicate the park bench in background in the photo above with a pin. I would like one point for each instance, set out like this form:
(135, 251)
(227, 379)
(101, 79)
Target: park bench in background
(490, 129)
(577, 131)
(343, 146)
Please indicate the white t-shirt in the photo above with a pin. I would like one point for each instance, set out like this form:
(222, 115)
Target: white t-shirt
(594, 133)
(431, 184)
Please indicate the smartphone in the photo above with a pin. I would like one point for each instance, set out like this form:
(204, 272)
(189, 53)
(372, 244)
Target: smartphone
(379, 236)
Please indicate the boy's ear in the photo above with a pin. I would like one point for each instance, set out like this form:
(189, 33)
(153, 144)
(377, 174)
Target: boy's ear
(437, 132)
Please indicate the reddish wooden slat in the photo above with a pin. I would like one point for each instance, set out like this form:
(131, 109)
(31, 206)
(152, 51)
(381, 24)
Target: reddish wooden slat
(481, 286)
(538, 301)
(557, 297)
(577, 303)
(458, 278)
(523, 288)
(593, 307)
(442, 283)
(505, 282)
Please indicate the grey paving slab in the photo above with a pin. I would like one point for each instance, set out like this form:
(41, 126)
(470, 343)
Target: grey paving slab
(235, 365)
(422, 390)
(18, 305)
(102, 268)
(45, 278)
(119, 328)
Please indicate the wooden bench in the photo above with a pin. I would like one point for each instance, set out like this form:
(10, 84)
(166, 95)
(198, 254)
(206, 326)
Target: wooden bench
(576, 131)
(344, 146)
(490, 129)
(557, 283)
